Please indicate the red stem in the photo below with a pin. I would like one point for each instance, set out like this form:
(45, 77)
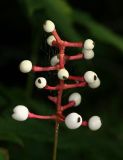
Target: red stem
(73, 44)
(40, 69)
(74, 57)
(32, 115)
(54, 43)
(76, 78)
(69, 105)
(63, 86)
(60, 91)
(76, 85)
(60, 96)
(53, 99)
(62, 57)
(58, 39)
(84, 123)
(52, 87)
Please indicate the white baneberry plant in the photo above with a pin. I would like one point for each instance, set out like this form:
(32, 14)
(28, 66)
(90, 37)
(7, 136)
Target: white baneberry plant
(90, 78)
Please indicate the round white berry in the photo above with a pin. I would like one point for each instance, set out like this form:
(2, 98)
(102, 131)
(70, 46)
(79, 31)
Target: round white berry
(94, 123)
(73, 120)
(89, 44)
(63, 74)
(88, 54)
(90, 76)
(49, 26)
(54, 60)
(95, 84)
(25, 66)
(40, 82)
(50, 40)
(20, 113)
(76, 97)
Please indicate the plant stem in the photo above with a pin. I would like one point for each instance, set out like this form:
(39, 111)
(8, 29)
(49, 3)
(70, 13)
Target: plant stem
(55, 140)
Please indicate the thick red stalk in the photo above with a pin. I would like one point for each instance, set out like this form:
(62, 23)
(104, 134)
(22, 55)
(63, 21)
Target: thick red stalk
(41, 69)
(69, 105)
(66, 86)
(74, 57)
(76, 85)
(60, 90)
(84, 123)
(72, 44)
(80, 82)
(53, 99)
(76, 78)
(52, 87)
(32, 115)
(58, 39)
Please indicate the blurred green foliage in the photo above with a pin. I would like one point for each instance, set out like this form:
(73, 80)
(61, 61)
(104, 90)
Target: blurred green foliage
(22, 37)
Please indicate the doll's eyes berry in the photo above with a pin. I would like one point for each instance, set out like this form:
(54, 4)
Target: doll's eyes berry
(89, 44)
(92, 79)
(58, 65)
(20, 113)
(25, 66)
(73, 120)
(76, 97)
(49, 26)
(54, 60)
(88, 53)
(50, 40)
(94, 123)
(95, 84)
(90, 76)
(63, 74)
(40, 82)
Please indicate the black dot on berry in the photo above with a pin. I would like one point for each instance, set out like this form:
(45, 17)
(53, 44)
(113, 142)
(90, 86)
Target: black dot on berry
(79, 119)
(64, 77)
(95, 77)
(39, 81)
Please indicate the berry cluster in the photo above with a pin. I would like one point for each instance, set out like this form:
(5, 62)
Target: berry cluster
(90, 78)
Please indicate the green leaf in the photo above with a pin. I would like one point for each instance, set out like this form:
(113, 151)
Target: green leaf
(4, 155)
(99, 31)
(62, 15)
(13, 129)
(10, 137)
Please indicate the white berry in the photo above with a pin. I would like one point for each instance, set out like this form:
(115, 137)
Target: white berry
(73, 120)
(76, 97)
(89, 44)
(40, 82)
(88, 54)
(90, 76)
(54, 60)
(25, 66)
(95, 84)
(94, 123)
(50, 40)
(49, 26)
(63, 74)
(20, 113)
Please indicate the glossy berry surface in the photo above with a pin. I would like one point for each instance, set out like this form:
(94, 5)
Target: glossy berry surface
(40, 82)
(73, 121)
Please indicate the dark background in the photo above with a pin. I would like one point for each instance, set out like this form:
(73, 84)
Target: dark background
(22, 37)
